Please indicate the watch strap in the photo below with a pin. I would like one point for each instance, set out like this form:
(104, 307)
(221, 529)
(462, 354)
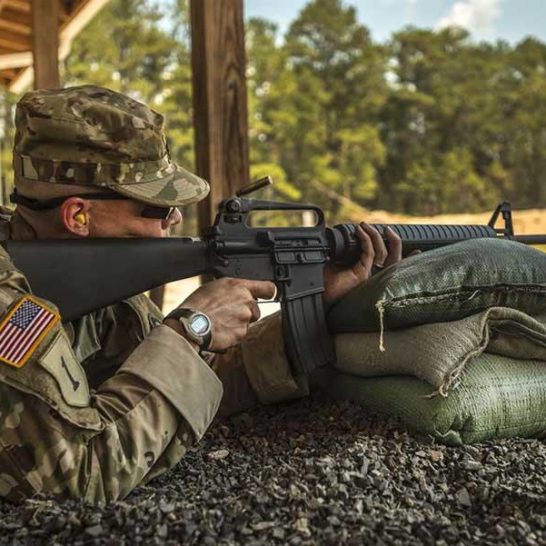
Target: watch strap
(181, 312)
(187, 313)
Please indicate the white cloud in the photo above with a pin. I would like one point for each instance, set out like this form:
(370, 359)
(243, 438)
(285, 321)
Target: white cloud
(474, 15)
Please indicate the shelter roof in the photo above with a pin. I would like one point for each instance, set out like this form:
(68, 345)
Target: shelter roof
(16, 36)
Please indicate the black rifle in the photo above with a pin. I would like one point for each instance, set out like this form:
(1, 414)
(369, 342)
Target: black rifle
(80, 276)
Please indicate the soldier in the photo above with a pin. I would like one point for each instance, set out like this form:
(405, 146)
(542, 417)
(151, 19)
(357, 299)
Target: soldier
(93, 408)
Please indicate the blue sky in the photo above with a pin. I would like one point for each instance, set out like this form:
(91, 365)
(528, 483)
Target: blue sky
(510, 20)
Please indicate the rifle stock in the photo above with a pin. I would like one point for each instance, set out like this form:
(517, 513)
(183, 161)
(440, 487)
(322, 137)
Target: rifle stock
(80, 276)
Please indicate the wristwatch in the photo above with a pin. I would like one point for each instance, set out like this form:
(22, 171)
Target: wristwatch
(197, 325)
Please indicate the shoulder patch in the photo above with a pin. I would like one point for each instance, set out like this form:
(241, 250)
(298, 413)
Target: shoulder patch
(60, 362)
(23, 328)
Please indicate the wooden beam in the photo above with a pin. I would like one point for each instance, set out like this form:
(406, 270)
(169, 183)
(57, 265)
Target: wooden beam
(9, 73)
(16, 28)
(2, 5)
(17, 17)
(15, 42)
(63, 11)
(15, 60)
(9, 51)
(219, 99)
(8, 46)
(19, 5)
(80, 15)
(45, 44)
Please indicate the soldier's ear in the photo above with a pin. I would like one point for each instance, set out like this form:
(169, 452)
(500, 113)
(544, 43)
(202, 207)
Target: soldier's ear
(74, 215)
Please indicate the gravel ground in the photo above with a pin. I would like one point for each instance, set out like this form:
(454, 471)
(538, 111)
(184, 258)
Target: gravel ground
(313, 472)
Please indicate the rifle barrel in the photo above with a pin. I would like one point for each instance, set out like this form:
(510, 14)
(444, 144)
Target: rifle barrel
(531, 239)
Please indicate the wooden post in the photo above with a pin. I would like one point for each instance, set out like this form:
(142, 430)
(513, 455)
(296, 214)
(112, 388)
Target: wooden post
(45, 43)
(219, 99)
(157, 295)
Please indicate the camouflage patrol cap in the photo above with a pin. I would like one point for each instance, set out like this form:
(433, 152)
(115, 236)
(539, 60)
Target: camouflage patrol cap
(92, 136)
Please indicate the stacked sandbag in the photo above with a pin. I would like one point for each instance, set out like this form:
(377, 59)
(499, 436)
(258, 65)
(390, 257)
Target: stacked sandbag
(452, 342)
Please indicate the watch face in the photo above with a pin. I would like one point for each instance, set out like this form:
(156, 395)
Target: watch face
(200, 324)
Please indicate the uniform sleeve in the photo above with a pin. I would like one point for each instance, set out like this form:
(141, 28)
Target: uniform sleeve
(104, 339)
(56, 437)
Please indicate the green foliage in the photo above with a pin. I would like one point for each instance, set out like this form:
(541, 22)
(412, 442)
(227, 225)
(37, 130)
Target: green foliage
(459, 117)
(340, 91)
(282, 189)
(429, 122)
(445, 184)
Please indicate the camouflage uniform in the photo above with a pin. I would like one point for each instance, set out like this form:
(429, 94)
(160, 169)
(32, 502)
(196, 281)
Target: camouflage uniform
(112, 400)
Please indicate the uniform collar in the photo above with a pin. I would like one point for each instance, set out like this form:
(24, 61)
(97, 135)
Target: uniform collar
(20, 229)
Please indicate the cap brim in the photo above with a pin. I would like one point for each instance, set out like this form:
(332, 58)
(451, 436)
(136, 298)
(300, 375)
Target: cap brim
(178, 188)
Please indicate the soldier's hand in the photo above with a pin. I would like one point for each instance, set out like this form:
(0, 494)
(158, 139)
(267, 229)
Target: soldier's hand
(231, 306)
(338, 281)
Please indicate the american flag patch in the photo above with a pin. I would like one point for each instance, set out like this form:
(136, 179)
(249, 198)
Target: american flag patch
(23, 329)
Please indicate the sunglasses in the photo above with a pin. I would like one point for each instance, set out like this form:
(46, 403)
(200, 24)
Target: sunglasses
(148, 211)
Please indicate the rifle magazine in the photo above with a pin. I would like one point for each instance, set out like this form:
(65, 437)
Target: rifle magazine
(308, 342)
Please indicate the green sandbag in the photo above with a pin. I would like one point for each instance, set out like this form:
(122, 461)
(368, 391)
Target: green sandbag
(446, 284)
(439, 352)
(498, 397)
